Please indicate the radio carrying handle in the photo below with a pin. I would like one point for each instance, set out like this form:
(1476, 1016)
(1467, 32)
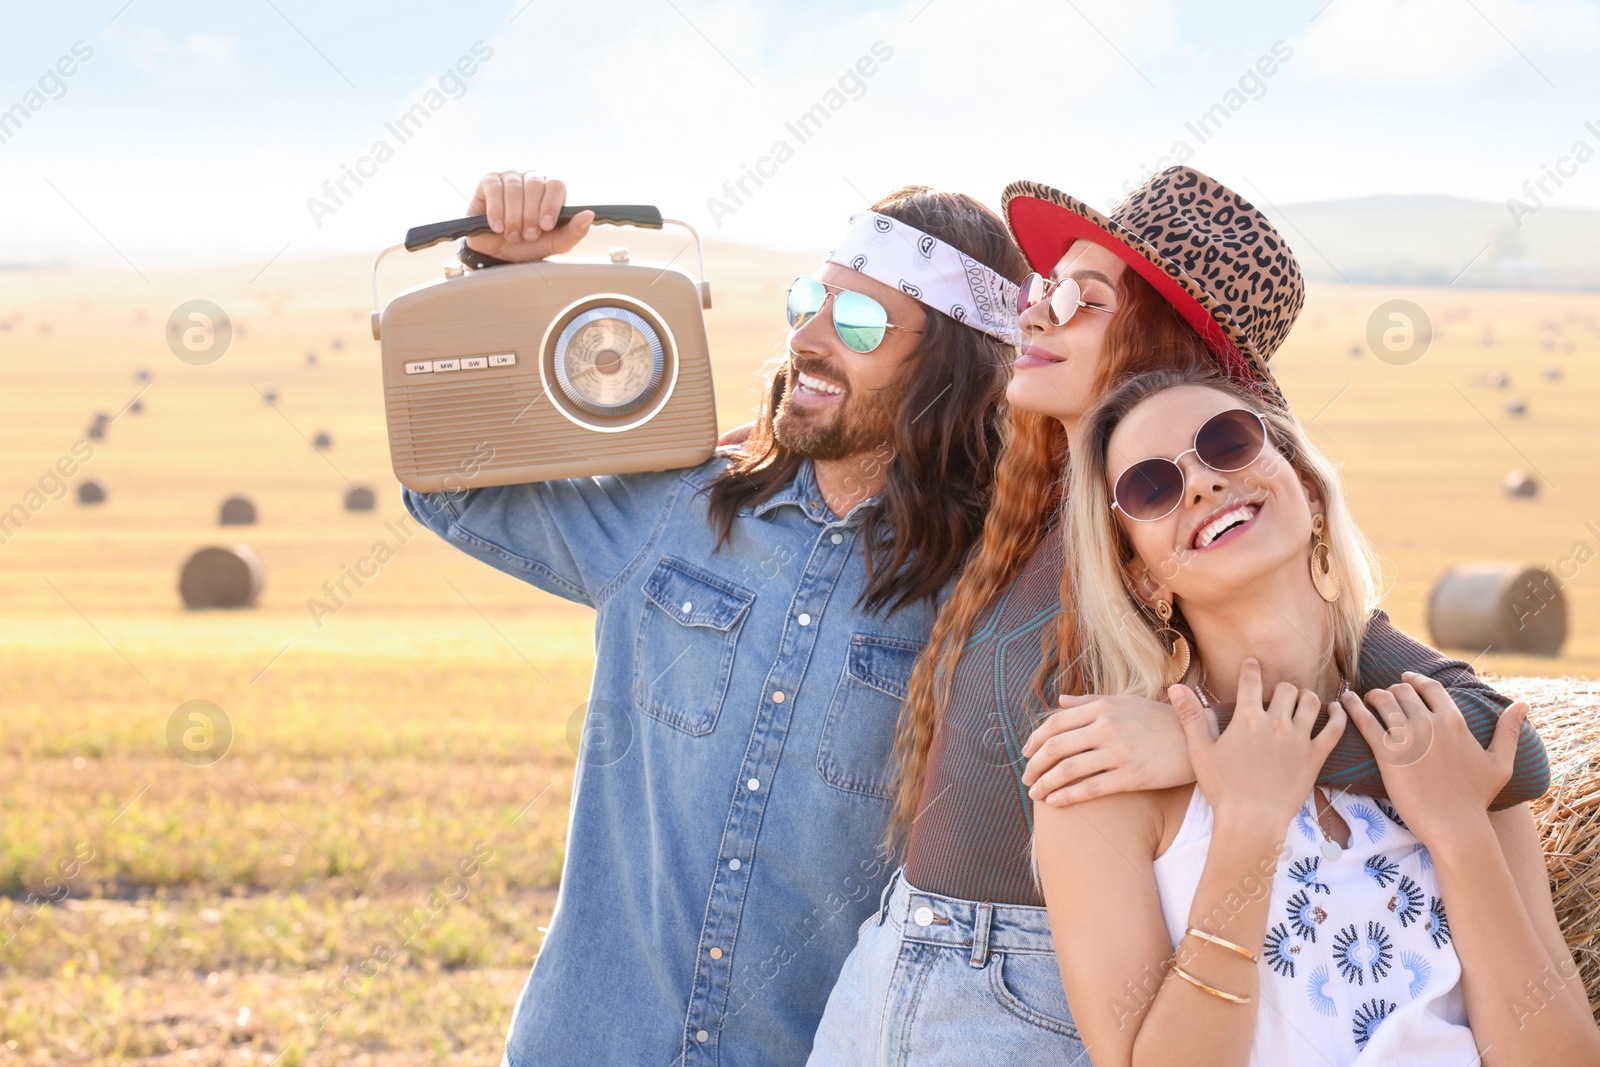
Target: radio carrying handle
(642, 215)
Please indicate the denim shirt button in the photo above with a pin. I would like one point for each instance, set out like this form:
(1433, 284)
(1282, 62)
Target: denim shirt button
(700, 1035)
(837, 539)
(716, 953)
(778, 697)
(754, 784)
(924, 916)
(804, 619)
(733, 864)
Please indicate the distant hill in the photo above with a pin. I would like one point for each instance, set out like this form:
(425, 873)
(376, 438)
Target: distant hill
(1431, 240)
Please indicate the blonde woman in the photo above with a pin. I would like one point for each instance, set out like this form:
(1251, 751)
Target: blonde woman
(1254, 917)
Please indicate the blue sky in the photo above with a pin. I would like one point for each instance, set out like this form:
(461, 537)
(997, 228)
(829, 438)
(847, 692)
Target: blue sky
(202, 132)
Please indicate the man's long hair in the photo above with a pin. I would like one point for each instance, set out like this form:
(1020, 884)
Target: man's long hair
(947, 432)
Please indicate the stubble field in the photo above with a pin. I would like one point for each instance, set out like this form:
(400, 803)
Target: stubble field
(363, 876)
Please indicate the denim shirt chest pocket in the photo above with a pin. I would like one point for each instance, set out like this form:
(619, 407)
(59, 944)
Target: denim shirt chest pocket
(857, 746)
(688, 631)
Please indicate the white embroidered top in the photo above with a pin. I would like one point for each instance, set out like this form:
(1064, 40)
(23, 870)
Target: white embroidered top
(1357, 966)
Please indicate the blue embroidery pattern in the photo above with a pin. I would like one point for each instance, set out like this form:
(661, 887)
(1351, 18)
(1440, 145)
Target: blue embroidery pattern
(1304, 871)
(1420, 971)
(1304, 916)
(1437, 925)
(1366, 1019)
(1317, 993)
(1375, 827)
(1382, 868)
(1389, 809)
(1278, 949)
(1407, 901)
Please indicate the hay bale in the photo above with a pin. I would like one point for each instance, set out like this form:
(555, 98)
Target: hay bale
(1566, 712)
(311, 359)
(323, 439)
(1496, 379)
(1552, 373)
(1355, 351)
(136, 407)
(336, 344)
(1520, 484)
(143, 375)
(91, 491)
(221, 576)
(1516, 407)
(1511, 607)
(271, 396)
(238, 511)
(360, 498)
(97, 428)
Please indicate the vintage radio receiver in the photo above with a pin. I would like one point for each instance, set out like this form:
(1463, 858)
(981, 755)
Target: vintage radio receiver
(552, 369)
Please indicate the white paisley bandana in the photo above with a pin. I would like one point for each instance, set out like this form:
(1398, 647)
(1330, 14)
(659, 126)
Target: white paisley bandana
(938, 274)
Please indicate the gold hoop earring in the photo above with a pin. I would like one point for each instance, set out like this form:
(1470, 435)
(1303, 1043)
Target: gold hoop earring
(1177, 644)
(1324, 575)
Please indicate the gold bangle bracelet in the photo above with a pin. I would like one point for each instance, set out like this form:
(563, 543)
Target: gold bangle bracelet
(1233, 998)
(1215, 940)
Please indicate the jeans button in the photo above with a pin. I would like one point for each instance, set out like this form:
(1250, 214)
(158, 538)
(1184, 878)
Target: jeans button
(924, 916)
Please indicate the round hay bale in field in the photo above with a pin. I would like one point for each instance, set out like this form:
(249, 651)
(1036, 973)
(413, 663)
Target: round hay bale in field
(97, 431)
(1552, 373)
(221, 576)
(336, 344)
(1496, 379)
(1566, 712)
(1355, 351)
(1520, 484)
(311, 359)
(360, 498)
(136, 407)
(238, 511)
(323, 439)
(143, 375)
(91, 491)
(270, 396)
(1516, 407)
(1511, 607)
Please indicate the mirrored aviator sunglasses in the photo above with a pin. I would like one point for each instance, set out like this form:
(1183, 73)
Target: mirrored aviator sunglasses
(861, 322)
(1226, 442)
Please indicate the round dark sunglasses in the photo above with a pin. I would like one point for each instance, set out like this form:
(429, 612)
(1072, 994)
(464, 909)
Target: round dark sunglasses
(1152, 488)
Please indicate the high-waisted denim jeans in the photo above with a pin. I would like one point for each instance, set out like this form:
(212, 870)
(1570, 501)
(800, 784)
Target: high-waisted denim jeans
(934, 980)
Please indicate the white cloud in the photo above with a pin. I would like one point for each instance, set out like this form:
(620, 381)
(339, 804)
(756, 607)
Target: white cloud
(1420, 44)
(199, 61)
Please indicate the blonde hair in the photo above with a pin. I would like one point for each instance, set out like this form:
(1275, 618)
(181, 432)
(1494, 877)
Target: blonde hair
(1119, 648)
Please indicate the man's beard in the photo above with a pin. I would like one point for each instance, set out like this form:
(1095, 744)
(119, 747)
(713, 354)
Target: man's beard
(860, 423)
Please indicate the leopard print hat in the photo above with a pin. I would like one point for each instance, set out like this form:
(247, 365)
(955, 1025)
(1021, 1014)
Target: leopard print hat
(1204, 247)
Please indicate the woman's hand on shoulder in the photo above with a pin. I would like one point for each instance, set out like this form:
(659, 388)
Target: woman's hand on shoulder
(1099, 745)
(1439, 776)
(1259, 772)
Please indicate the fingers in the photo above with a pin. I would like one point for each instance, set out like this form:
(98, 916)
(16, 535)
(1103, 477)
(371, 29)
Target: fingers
(1062, 744)
(1249, 692)
(549, 204)
(516, 216)
(567, 237)
(492, 191)
(1096, 785)
(1285, 696)
(1503, 746)
(1306, 706)
(1057, 722)
(1362, 716)
(1069, 771)
(1333, 729)
(1199, 722)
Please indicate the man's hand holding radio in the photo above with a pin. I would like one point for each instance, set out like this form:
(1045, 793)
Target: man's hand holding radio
(522, 207)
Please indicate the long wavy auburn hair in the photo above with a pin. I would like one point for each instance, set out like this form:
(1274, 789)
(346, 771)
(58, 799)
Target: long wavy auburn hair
(948, 430)
(1115, 655)
(1145, 334)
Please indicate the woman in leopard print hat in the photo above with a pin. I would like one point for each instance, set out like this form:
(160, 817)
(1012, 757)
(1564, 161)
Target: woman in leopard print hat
(957, 966)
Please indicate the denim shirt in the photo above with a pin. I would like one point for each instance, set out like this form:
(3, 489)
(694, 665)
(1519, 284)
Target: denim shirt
(733, 779)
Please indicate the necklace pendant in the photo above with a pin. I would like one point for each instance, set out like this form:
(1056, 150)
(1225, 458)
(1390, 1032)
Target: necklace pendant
(1331, 849)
